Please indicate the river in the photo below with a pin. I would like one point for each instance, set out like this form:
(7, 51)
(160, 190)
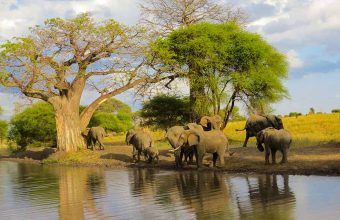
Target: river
(29, 191)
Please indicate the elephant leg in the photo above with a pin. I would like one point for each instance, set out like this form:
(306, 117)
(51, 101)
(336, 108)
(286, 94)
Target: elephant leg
(200, 159)
(181, 158)
(284, 155)
(267, 153)
(94, 144)
(273, 152)
(215, 155)
(191, 156)
(221, 157)
(246, 140)
(101, 145)
(138, 155)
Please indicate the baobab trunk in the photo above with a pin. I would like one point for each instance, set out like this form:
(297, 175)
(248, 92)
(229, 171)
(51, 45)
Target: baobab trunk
(68, 125)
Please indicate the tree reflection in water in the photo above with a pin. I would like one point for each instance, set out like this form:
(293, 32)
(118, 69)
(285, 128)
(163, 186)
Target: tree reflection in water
(77, 190)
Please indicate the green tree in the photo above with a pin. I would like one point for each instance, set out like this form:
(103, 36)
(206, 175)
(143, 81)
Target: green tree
(335, 110)
(57, 60)
(226, 64)
(113, 115)
(35, 124)
(165, 111)
(3, 130)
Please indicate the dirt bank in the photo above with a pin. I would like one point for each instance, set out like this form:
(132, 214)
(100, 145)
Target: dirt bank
(316, 160)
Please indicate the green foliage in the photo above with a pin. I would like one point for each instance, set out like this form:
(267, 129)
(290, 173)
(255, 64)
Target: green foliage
(335, 110)
(3, 130)
(294, 114)
(220, 56)
(165, 111)
(113, 115)
(34, 125)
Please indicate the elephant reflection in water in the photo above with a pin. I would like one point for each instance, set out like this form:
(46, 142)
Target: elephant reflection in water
(207, 193)
(204, 194)
(77, 190)
(267, 191)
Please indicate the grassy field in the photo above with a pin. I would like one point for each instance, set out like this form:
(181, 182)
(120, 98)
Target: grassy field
(307, 130)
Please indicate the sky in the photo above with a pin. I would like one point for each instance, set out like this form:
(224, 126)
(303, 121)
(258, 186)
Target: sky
(306, 31)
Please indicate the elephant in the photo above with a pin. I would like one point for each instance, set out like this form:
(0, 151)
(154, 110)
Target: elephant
(173, 134)
(94, 134)
(214, 142)
(152, 154)
(140, 141)
(256, 123)
(211, 122)
(274, 140)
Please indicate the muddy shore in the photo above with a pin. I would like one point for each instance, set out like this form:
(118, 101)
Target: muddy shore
(315, 160)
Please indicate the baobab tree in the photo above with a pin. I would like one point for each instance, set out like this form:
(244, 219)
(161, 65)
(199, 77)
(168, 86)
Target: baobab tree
(59, 59)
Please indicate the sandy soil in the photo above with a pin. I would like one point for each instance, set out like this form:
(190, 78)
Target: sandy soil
(316, 160)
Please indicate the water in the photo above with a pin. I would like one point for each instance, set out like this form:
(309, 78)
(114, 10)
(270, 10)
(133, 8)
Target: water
(41, 192)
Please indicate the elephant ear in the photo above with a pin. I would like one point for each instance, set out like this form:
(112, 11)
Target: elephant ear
(218, 121)
(205, 120)
(279, 122)
(193, 139)
(193, 126)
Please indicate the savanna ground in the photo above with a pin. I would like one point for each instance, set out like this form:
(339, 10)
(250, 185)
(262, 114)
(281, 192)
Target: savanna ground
(315, 150)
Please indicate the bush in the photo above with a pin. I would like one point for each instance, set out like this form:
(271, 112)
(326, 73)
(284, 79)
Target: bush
(294, 114)
(34, 125)
(3, 130)
(165, 111)
(113, 115)
(335, 110)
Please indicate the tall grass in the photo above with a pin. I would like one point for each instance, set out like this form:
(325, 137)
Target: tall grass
(307, 130)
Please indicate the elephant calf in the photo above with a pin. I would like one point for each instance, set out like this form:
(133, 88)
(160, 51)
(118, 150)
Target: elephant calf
(152, 154)
(274, 140)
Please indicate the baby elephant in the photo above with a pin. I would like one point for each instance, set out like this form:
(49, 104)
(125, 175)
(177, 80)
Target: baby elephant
(152, 154)
(274, 140)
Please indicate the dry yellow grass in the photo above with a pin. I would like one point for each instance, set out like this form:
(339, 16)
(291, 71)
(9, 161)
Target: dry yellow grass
(307, 130)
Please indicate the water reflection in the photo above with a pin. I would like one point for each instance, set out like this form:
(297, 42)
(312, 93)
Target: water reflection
(83, 193)
(78, 188)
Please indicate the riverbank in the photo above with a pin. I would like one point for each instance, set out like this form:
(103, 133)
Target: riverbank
(314, 160)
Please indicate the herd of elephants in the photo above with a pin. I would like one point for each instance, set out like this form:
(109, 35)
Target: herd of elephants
(205, 136)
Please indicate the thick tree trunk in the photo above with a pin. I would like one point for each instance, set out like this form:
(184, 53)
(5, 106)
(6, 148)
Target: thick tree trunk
(196, 93)
(68, 125)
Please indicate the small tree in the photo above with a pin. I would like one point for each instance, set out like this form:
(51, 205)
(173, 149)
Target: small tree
(34, 124)
(165, 111)
(312, 111)
(335, 110)
(113, 115)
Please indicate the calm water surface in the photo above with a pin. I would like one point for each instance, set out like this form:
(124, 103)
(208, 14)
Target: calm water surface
(40, 192)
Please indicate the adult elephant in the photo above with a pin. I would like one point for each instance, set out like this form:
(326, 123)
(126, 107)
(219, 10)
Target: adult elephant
(172, 136)
(140, 140)
(256, 123)
(274, 140)
(94, 135)
(211, 122)
(214, 142)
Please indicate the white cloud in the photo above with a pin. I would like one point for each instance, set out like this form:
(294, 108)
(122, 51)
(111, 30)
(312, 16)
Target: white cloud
(294, 59)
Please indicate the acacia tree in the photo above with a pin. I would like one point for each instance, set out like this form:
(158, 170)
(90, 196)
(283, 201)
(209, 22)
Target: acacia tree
(165, 16)
(60, 58)
(232, 64)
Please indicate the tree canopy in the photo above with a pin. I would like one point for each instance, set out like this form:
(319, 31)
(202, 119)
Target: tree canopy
(227, 63)
(113, 115)
(35, 124)
(165, 111)
(63, 57)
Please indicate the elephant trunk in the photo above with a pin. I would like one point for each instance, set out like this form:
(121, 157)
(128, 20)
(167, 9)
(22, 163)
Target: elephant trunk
(260, 147)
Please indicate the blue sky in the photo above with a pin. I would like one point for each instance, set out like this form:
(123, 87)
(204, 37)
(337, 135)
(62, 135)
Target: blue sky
(307, 31)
